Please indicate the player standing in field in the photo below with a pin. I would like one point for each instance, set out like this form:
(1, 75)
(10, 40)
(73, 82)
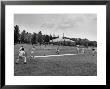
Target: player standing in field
(57, 50)
(77, 49)
(83, 50)
(21, 54)
(32, 52)
(93, 51)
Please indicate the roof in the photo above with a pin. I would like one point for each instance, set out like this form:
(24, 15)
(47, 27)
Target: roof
(61, 39)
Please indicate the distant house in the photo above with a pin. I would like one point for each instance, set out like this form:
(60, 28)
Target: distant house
(63, 41)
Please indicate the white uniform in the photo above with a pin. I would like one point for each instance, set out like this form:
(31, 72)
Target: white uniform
(32, 52)
(83, 50)
(57, 50)
(77, 49)
(93, 50)
(21, 55)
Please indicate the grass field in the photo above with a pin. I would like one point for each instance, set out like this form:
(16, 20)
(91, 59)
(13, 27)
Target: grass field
(68, 65)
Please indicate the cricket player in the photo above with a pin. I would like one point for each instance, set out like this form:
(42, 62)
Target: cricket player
(57, 50)
(21, 48)
(32, 52)
(83, 50)
(21, 54)
(77, 49)
(93, 51)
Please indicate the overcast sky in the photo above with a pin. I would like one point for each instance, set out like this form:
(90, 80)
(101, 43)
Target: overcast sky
(72, 25)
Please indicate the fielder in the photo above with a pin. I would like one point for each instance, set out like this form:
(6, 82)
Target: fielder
(83, 51)
(32, 52)
(21, 54)
(57, 50)
(77, 49)
(93, 51)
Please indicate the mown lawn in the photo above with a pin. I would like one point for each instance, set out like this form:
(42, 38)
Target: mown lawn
(74, 65)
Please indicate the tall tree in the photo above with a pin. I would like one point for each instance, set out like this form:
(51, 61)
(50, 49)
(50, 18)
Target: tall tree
(40, 38)
(34, 38)
(50, 37)
(16, 34)
(23, 35)
(28, 37)
(47, 38)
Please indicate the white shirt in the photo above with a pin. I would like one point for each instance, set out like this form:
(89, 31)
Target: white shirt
(21, 53)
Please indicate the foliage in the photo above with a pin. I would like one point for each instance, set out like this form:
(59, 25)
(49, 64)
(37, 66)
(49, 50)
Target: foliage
(16, 34)
(34, 38)
(23, 35)
(26, 37)
(40, 38)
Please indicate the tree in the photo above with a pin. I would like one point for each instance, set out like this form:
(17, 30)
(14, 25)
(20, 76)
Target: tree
(23, 35)
(50, 37)
(28, 37)
(40, 38)
(34, 38)
(16, 34)
(47, 38)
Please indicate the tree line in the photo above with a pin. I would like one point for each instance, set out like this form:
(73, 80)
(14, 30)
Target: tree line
(31, 38)
(39, 38)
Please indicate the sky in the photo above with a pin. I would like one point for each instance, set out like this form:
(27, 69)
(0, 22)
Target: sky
(72, 25)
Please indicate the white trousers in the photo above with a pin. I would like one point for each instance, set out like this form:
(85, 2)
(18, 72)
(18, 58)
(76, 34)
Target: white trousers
(21, 57)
